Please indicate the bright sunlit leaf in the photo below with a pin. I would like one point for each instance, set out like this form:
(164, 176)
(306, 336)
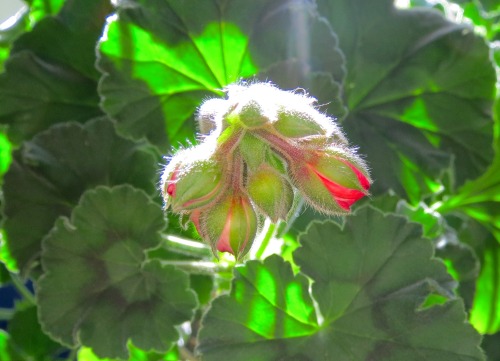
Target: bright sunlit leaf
(371, 279)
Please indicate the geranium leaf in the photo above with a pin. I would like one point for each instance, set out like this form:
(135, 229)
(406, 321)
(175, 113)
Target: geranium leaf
(28, 339)
(372, 279)
(161, 58)
(485, 314)
(41, 8)
(50, 172)
(111, 294)
(86, 354)
(267, 309)
(419, 90)
(50, 76)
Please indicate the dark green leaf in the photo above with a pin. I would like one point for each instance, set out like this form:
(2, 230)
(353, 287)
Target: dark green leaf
(6, 351)
(161, 58)
(50, 76)
(419, 90)
(463, 264)
(98, 290)
(49, 174)
(4, 274)
(5, 154)
(370, 277)
(27, 337)
(491, 346)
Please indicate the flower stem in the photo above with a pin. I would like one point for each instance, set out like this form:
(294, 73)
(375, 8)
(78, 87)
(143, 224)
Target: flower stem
(6, 313)
(187, 247)
(198, 267)
(267, 238)
(22, 289)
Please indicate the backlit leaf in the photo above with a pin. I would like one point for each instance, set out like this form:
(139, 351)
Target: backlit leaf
(161, 58)
(266, 316)
(370, 278)
(419, 90)
(485, 313)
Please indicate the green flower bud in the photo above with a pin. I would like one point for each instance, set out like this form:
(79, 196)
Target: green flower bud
(270, 192)
(296, 124)
(252, 115)
(195, 186)
(229, 226)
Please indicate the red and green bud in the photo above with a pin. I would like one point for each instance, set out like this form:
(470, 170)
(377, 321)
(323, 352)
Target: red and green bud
(193, 186)
(270, 192)
(332, 180)
(229, 226)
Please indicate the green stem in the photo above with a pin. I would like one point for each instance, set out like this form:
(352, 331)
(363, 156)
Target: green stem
(187, 355)
(73, 354)
(265, 241)
(187, 247)
(199, 267)
(6, 313)
(21, 288)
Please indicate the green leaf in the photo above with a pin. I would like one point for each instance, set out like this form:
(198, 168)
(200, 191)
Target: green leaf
(267, 312)
(41, 8)
(50, 76)
(5, 154)
(98, 290)
(370, 277)
(462, 263)
(6, 351)
(479, 199)
(161, 58)
(4, 274)
(432, 222)
(86, 354)
(49, 174)
(419, 90)
(491, 346)
(485, 314)
(28, 339)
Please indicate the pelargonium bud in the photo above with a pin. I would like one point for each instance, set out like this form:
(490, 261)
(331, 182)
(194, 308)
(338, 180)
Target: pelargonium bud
(332, 180)
(270, 192)
(193, 186)
(252, 115)
(229, 226)
(189, 183)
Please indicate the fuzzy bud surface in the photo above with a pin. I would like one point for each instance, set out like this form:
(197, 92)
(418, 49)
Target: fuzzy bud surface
(261, 147)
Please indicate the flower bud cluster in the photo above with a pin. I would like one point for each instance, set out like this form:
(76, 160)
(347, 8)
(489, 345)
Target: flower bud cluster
(261, 148)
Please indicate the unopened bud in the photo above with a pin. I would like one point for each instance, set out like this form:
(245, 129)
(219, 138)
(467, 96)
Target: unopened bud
(229, 226)
(193, 186)
(252, 115)
(332, 180)
(271, 192)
